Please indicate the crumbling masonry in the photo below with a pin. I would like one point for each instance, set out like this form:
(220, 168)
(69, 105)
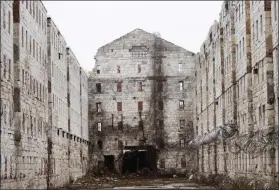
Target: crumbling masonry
(149, 101)
(237, 85)
(44, 130)
(140, 95)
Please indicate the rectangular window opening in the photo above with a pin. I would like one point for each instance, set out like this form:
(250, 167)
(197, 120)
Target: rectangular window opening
(139, 68)
(99, 125)
(140, 106)
(182, 143)
(140, 86)
(119, 106)
(181, 104)
(182, 124)
(181, 85)
(98, 105)
(180, 67)
(119, 87)
(98, 87)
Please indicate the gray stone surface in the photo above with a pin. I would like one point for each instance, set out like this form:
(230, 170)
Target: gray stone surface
(133, 50)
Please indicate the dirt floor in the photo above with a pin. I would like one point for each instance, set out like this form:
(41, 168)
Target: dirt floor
(132, 182)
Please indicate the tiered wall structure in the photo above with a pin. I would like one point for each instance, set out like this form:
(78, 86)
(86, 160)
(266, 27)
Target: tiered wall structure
(40, 147)
(243, 50)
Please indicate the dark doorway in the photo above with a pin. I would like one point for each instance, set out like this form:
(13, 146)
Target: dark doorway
(109, 162)
(138, 158)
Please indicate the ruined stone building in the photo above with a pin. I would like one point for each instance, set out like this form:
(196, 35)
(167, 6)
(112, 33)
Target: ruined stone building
(40, 146)
(236, 112)
(140, 104)
(147, 101)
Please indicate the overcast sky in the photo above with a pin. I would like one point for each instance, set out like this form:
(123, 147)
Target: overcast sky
(88, 25)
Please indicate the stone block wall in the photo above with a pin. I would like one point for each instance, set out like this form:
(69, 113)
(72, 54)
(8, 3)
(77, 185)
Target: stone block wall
(274, 21)
(8, 148)
(36, 145)
(143, 78)
(244, 92)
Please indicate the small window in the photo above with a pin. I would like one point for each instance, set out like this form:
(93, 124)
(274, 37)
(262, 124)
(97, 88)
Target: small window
(119, 106)
(140, 125)
(181, 85)
(181, 104)
(139, 68)
(99, 126)
(98, 105)
(182, 143)
(120, 125)
(118, 68)
(119, 87)
(98, 87)
(161, 105)
(100, 144)
(183, 162)
(140, 106)
(160, 86)
(180, 67)
(140, 86)
(98, 69)
(182, 124)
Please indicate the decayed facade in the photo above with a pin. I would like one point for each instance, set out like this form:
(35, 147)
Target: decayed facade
(38, 148)
(243, 50)
(140, 97)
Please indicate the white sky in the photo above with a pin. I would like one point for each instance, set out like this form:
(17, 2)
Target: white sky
(88, 25)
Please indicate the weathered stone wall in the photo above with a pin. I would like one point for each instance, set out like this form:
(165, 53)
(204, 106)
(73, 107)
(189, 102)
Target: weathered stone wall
(262, 80)
(30, 111)
(58, 104)
(141, 62)
(274, 19)
(244, 89)
(35, 140)
(77, 143)
(8, 148)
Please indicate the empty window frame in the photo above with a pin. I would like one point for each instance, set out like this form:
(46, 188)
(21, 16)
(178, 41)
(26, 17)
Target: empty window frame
(98, 105)
(98, 87)
(182, 123)
(100, 144)
(161, 105)
(159, 86)
(140, 106)
(140, 86)
(98, 69)
(183, 162)
(180, 67)
(119, 106)
(181, 85)
(181, 104)
(119, 87)
(139, 68)
(182, 143)
(99, 126)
